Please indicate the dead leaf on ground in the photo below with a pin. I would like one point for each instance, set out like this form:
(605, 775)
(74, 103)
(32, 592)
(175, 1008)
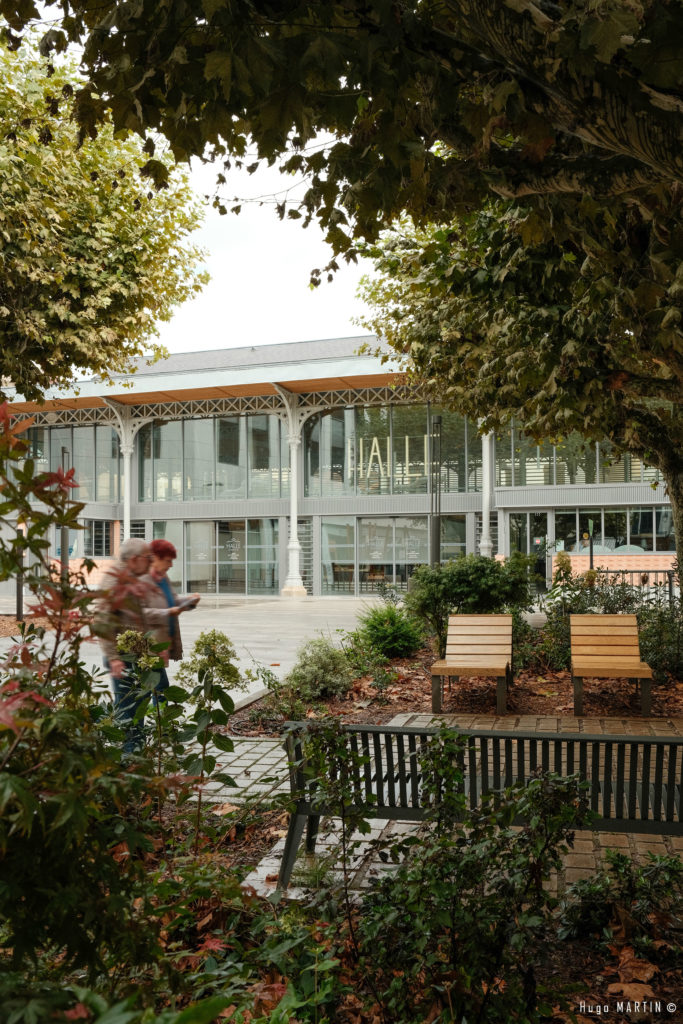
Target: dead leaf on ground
(634, 993)
(224, 808)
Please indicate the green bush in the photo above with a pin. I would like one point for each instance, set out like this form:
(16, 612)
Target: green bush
(391, 631)
(624, 891)
(661, 639)
(322, 670)
(474, 585)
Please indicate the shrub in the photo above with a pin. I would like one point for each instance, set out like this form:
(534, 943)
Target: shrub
(661, 639)
(473, 584)
(322, 670)
(212, 652)
(391, 631)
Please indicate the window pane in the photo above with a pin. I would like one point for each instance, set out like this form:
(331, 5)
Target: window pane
(198, 459)
(640, 526)
(565, 531)
(586, 516)
(60, 437)
(262, 556)
(144, 444)
(231, 457)
(410, 449)
(106, 464)
(168, 451)
(664, 526)
(338, 554)
(575, 461)
(454, 469)
(231, 541)
(263, 434)
(453, 537)
(39, 447)
(614, 536)
(532, 463)
(617, 469)
(83, 460)
(312, 480)
(519, 532)
(337, 453)
(200, 556)
(373, 451)
(411, 547)
(504, 459)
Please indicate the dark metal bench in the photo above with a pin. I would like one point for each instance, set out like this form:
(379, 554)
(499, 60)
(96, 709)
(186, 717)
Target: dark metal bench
(634, 781)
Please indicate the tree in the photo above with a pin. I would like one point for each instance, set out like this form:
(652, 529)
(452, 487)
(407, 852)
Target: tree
(562, 313)
(90, 258)
(432, 104)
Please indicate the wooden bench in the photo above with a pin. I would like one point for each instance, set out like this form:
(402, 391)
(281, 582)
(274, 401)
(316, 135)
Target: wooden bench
(634, 781)
(607, 647)
(476, 645)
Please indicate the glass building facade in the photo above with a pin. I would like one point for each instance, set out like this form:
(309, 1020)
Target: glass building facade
(217, 487)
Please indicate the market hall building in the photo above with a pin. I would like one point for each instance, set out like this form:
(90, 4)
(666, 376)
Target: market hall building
(221, 451)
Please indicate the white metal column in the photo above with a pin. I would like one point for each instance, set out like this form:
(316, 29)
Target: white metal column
(485, 541)
(126, 427)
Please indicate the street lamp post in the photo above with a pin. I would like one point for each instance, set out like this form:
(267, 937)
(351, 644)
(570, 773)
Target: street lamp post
(64, 544)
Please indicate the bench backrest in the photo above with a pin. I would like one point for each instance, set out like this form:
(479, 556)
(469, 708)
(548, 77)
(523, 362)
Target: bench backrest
(605, 638)
(474, 638)
(635, 782)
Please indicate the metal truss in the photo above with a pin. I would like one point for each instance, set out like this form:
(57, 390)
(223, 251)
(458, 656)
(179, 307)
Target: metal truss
(240, 405)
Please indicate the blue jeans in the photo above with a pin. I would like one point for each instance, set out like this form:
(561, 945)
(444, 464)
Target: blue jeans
(127, 700)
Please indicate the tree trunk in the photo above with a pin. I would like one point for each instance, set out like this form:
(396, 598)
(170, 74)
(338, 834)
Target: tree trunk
(672, 473)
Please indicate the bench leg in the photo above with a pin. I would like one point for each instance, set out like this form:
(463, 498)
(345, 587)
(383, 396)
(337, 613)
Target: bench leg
(437, 694)
(645, 697)
(577, 682)
(294, 833)
(501, 695)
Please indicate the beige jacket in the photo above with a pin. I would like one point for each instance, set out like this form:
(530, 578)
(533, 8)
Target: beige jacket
(155, 605)
(126, 602)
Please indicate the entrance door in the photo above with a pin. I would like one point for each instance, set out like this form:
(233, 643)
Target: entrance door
(529, 534)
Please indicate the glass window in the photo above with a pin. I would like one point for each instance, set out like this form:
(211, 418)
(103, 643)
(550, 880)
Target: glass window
(614, 536)
(565, 531)
(454, 445)
(168, 458)
(97, 538)
(263, 440)
(411, 547)
(144, 445)
(39, 447)
(504, 459)
(312, 479)
(337, 453)
(232, 557)
(664, 530)
(262, 556)
(640, 528)
(453, 537)
(83, 461)
(519, 532)
(200, 556)
(198, 460)
(575, 461)
(284, 460)
(107, 468)
(375, 552)
(410, 449)
(586, 516)
(231, 457)
(532, 463)
(373, 451)
(60, 437)
(618, 469)
(650, 474)
(338, 554)
(172, 530)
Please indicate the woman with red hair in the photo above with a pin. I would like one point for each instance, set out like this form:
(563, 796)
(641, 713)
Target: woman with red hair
(162, 595)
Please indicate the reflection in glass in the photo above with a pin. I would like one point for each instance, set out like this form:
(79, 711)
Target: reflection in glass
(337, 458)
(172, 530)
(262, 556)
(640, 528)
(263, 447)
(168, 461)
(410, 449)
(338, 554)
(373, 451)
(456, 474)
(504, 458)
(198, 460)
(39, 447)
(453, 537)
(144, 446)
(664, 528)
(200, 556)
(532, 463)
(231, 457)
(565, 531)
(519, 532)
(614, 535)
(107, 465)
(575, 461)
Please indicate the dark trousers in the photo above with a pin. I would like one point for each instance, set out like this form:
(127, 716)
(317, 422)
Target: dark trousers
(127, 700)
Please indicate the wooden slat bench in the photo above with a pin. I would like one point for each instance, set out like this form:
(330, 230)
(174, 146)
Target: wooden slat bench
(634, 781)
(607, 647)
(476, 645)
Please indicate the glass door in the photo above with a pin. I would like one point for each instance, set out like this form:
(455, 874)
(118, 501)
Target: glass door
(529, 534)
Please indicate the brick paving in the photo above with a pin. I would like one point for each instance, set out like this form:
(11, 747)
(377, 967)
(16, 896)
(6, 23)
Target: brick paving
(259, 769)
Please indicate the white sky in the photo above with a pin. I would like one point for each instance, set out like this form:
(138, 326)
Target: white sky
(260, 268)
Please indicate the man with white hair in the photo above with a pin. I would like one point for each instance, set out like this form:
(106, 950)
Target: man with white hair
(122, 606)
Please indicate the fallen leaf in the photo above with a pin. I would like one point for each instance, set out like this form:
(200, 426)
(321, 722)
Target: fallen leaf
(634, 993)
(224, 809)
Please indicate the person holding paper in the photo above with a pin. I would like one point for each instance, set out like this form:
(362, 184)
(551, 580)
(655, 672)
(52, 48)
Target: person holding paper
(161, 595)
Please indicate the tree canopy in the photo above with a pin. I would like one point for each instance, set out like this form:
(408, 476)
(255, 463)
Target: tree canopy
(432, 105)
(90, 258)
(563, 313)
